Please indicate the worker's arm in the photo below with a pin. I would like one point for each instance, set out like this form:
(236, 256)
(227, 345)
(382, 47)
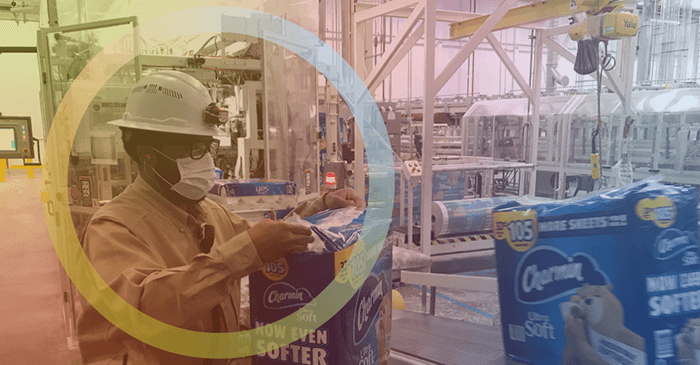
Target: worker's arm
(179, 296)
(335, 200)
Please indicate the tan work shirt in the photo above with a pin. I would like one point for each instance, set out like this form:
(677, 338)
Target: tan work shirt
(147, 250)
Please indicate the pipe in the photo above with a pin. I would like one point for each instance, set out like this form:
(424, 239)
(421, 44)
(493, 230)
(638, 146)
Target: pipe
(403, 359)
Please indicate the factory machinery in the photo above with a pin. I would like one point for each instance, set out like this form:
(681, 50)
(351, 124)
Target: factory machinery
(661, 137)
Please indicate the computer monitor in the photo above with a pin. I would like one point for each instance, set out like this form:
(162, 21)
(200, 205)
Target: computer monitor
(16, 139)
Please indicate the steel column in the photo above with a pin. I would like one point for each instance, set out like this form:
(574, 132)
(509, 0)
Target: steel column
(428, 118)
(373, 80)
(384, 9)
(510, 66)
(472, 44)
(537, 82)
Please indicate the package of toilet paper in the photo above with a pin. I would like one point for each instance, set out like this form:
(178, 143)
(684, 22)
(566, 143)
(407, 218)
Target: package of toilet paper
(254, 194)
(359, 333)
(612, 279)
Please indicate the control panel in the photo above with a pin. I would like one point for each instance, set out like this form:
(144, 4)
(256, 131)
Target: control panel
(412, 169)
(16, 139)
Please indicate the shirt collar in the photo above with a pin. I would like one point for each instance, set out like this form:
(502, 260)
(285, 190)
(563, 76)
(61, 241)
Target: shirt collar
(152, 196)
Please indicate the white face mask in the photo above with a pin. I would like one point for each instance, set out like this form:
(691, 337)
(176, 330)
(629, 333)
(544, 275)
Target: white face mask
(196, 176)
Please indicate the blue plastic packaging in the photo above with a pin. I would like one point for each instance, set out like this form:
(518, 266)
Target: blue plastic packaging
(357, 334)
(607, 280)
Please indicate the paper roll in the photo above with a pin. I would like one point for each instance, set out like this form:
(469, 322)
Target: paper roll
(454, 217)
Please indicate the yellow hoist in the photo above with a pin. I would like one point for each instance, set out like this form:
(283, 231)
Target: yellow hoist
(603, 23)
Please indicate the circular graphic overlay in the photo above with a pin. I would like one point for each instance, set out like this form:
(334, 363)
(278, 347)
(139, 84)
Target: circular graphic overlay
(233, 344)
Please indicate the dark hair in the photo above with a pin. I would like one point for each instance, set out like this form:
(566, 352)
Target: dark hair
(132, 139)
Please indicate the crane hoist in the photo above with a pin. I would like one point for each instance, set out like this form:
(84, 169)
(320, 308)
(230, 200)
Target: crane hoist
(605, 21)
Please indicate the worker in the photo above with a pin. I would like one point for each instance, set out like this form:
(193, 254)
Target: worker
(163, 246)
(418, 142)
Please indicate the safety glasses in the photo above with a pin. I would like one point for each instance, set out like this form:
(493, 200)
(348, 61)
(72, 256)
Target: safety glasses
(178, 148)
(199, 149)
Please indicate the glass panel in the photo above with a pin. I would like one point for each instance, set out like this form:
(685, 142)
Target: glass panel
(484, 137)
(97, 153)
(692, 156)
(291, 103)
(546, 136)
(276, 108)
(589, 106)
(470, 125)
(669, 141)
(70, 52)
(302, 121)
(611, 157)
(642, 141)
(548, 105)
(508, 138)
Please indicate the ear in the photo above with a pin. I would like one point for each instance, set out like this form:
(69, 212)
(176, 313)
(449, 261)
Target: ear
(609, 286)
(145, 154)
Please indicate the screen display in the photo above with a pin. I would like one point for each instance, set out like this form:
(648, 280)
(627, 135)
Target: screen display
(7, 140)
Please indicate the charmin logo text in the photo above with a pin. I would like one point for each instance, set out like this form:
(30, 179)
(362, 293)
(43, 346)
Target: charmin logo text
(368, 304)
(283, 295)
(671, 242)
(546, 273)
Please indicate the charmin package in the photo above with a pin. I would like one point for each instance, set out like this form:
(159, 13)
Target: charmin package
(359, 333)
(255, 194)
(612, 279)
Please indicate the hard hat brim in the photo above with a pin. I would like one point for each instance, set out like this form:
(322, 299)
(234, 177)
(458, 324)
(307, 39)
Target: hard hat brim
(214, 132)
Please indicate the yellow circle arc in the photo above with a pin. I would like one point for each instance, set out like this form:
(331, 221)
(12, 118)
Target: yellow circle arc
(91, 285)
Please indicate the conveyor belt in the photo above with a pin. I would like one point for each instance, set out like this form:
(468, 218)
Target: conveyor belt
(461, 244)
(472, 238)
(438, 340)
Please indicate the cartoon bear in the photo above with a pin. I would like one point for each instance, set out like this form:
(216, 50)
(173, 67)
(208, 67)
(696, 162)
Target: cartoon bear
(383, 328)
(688, 343)
(578, 350)
(598, 309)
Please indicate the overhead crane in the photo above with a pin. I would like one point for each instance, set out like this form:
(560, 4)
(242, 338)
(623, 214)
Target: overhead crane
(537, 11)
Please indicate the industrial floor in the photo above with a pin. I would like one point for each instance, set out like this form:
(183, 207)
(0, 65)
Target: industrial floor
(457, 304)
(31, 319)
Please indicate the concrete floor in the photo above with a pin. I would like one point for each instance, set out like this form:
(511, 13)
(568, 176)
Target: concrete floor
(31, 319)
(458, 304)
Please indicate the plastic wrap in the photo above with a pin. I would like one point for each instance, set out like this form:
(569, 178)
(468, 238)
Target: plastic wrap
(612, 279)
(467, 216)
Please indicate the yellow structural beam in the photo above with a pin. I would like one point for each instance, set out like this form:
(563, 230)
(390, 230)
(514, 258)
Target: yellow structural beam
(30, 169)
(521, 15)
(3, 163)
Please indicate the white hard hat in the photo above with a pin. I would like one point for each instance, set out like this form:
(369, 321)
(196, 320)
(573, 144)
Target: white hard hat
(172, 102)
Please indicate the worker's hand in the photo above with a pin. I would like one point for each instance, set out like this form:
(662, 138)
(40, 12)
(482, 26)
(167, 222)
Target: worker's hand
(342, 199)
(274, 239)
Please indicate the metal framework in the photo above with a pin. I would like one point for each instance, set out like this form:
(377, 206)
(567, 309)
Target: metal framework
(24, 11)
(479, 27)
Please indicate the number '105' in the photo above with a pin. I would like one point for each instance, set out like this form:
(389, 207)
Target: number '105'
(521, 230)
